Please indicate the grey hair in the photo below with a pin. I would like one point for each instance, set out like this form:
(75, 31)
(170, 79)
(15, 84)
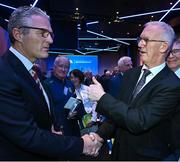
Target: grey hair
(122, 59)
(20, 17)
(168, 34)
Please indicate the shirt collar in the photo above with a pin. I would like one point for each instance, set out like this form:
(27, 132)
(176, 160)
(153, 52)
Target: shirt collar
(155, 70)
(26, 62)
(177, 72)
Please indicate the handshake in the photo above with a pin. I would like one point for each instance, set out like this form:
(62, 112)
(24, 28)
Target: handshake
(92, 144)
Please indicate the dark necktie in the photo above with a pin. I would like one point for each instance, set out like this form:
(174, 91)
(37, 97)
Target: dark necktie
(140, 83)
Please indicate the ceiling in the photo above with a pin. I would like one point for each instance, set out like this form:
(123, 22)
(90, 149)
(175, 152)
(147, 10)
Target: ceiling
(106, 13)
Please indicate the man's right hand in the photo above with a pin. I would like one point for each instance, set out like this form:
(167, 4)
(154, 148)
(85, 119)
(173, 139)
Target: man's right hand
(91, 147)
(95, 136)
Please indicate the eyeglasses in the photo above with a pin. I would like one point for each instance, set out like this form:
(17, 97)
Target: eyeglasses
(146, 40)
(45, 33)
(175, 52)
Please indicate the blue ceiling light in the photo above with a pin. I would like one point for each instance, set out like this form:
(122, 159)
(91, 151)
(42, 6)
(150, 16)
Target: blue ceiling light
(102, 39)
(147, 13)
(169, 10)
(93, 22)
(105, 49)
(34, 4)
(104, 36)
(10, 7)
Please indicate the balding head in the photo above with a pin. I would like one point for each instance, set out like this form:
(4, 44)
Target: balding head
(61, 67)
(60, 59)
(124, 63)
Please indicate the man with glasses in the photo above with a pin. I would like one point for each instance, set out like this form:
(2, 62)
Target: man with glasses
(140, 119)
(25, 108)
(173, 60)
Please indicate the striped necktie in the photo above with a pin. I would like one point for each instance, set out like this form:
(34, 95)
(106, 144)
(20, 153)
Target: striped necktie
(34, 74)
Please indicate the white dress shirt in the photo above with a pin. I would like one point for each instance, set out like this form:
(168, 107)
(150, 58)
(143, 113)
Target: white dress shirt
(28, 65)
(154, 71)
(177, 72)
(90, 106)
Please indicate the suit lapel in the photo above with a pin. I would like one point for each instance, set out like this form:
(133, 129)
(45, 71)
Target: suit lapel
(161, 75)
(133, 81)
(23, 73)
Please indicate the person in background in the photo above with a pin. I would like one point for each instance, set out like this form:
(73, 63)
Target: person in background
(124, 64)
(115, 71)
(88, 78)
(105, 80)
(25, 108)
(60, 89)
(140, 119)
(81, 90)
(173, 62)
(173, 59)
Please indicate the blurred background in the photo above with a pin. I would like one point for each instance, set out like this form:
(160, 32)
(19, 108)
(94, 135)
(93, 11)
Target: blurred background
(98, 31)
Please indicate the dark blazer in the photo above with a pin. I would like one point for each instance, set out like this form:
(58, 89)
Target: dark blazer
(142, 127)
(25, 122)
(114, 85)
(175, 136)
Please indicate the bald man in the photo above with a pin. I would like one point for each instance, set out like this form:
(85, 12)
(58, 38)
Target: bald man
(60, 89)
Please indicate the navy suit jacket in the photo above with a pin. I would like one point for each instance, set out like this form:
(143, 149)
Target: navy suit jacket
(25, 122)
(58, 98)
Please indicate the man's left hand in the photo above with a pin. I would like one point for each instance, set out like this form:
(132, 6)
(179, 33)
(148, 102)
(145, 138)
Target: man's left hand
(96, 90)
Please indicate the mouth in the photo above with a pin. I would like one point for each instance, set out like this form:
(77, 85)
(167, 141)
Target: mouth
(46, 49)
(171, 61)
(141, 52)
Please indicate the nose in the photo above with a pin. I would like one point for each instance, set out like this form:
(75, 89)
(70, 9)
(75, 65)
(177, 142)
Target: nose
(170, 55)
(140, 43)
(50, 39)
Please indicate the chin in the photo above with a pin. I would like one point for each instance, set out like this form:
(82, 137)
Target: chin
(44, 55)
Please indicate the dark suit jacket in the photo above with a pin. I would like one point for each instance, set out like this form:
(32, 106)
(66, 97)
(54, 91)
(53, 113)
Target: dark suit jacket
(175, 137)
(25, 122)
(142, 127)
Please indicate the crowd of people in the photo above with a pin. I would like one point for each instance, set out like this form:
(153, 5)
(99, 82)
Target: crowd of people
(133, 112)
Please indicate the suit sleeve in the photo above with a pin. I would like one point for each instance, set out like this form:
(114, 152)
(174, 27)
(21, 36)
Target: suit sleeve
(140, 119)
(176, 132)
(106, 130)
(18, 126)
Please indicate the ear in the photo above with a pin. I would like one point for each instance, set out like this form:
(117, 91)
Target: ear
(17, 34)
(164, 47)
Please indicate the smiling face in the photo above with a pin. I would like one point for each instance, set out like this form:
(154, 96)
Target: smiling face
(61, 67)
(174, 57)
(32, 44)
(152, 53)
